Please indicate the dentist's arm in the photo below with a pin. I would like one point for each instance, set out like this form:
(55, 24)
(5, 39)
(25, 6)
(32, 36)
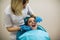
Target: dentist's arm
(13, 29)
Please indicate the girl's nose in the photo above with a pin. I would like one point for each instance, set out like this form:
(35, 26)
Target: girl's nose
(33, 22)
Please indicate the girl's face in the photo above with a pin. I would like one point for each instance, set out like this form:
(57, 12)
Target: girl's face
(32, 23)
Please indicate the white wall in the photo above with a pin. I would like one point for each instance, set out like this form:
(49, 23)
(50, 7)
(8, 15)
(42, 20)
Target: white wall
(47, 9)
(4, 34)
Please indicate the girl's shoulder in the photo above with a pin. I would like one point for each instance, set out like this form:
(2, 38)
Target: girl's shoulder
(41, 28)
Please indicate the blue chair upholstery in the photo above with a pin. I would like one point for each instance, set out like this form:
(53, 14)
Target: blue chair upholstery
(35, 35)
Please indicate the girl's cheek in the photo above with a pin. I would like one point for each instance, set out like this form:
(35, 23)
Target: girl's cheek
(30, 24)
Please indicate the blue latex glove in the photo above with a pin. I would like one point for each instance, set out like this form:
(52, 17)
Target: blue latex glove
(38, 19)
(25, 28)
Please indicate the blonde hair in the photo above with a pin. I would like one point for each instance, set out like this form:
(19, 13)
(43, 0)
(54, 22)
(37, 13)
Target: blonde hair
(16, 6)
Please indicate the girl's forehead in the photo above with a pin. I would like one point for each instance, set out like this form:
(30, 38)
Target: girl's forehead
(31, 18)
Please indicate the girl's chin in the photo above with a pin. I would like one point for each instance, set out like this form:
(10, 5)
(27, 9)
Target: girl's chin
(33, 28)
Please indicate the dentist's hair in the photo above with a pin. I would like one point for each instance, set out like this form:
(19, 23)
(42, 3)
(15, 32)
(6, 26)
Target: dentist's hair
(17, 6)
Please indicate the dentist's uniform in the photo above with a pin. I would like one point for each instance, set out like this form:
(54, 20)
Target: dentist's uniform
(15, 21)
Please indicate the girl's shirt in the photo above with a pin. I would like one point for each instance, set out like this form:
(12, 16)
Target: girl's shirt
(14, 21)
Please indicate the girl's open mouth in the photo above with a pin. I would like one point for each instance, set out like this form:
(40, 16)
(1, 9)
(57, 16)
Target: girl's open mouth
(34, 25)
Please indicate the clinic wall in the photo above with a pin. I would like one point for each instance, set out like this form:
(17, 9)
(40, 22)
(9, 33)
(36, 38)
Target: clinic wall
(47, 9)
(4, 34)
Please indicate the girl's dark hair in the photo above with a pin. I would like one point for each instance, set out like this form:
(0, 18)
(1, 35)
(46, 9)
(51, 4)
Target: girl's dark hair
(24, 1)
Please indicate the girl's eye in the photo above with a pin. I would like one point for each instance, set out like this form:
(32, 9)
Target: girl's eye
(29, 21)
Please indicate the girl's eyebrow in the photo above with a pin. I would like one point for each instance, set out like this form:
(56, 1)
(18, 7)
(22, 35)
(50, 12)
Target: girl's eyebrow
(29, 21)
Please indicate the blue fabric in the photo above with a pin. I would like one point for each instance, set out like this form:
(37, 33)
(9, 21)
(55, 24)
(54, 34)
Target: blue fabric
(24, 29)
(27, 28)
(41, 28)
(35, 35)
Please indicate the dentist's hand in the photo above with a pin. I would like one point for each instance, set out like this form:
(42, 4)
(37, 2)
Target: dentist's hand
(38, 19)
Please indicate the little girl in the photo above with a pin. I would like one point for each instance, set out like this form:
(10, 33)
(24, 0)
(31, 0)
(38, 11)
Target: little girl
(30, 24)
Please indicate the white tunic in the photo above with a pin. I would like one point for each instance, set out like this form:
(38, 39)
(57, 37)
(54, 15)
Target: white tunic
(13, 20)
